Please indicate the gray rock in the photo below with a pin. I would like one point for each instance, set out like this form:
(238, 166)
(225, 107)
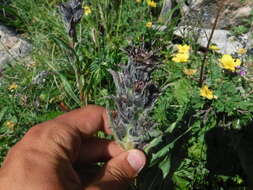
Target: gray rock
(198, 17)
(202, 13)
(40, 77)
(12, 46)
(224, 39)
(165, 12)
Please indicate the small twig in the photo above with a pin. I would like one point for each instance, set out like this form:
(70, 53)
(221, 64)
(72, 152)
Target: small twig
(251, 92)
(201, 77)
(243, 111)
(206, 114)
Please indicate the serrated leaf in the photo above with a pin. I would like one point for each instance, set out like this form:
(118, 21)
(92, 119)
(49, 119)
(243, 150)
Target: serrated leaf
(180, 182)
(181, 92)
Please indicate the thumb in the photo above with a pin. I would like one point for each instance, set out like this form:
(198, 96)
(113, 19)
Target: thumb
(119, 171)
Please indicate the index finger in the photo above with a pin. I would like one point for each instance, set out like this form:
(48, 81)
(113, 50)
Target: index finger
(64, 135)
(88, 120)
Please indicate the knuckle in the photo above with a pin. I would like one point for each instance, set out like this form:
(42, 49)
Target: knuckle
(48, 132)
(34, 132)
(53, 137)
(118, 174)
(60, 138)
(39, 133)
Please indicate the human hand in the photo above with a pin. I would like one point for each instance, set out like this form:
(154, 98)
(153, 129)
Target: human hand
(46, 156)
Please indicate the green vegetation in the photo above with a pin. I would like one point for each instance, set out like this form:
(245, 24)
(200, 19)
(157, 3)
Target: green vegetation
(245, 27)
(191, 112)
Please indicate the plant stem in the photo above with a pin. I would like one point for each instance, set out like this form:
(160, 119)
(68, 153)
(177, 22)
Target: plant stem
(202, 70)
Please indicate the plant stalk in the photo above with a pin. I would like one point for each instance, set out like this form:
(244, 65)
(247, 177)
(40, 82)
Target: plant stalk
(202, 70)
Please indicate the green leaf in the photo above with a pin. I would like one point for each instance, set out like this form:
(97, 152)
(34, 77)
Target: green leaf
(64, 46)
(181, 92)
(166, 149)
(67, 87)
(171, 128)
(153, 143)
(2, 113)
(180, 182)
(49, 115)
(162, 152)
(165, 165)
(10, 17)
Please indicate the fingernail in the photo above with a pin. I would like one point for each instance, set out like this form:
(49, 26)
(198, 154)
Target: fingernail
(136, 159)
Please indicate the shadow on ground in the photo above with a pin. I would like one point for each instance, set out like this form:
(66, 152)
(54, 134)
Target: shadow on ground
(229, 153)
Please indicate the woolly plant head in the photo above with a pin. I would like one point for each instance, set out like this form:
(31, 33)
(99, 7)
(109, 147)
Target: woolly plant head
(135, 97)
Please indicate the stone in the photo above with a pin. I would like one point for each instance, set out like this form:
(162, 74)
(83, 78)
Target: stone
(198, 17)
(224, 39)
(202, 13)
(166, 8)
(40, 77)
(12, 46)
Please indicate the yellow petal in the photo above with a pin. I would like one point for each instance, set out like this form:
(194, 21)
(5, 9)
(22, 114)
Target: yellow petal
(149, 24)
(227, 62)
(151, 3)
(183, 48)
(237, 62)
(189, 72)
(181, 57)
(214, 47)
(10, 124)
(13, 86)
(206, 92)
(241, 51)
(87, 10)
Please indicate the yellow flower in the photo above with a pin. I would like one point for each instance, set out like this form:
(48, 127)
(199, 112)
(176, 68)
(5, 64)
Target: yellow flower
(87, 10)
(149, 24)
(151, 3)
(183, 48)
(189, 72)
(214, 47)
(10, 124)
(138, 1)
(13, 86)
(181, 57)
(207, 93)
(227, 62)
(241, 51)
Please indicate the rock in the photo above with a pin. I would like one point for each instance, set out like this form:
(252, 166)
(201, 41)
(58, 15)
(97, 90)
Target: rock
(202, 13)
(165, 12)
(224, 39)
(40, 77)
(12, 46)
(198, 19)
